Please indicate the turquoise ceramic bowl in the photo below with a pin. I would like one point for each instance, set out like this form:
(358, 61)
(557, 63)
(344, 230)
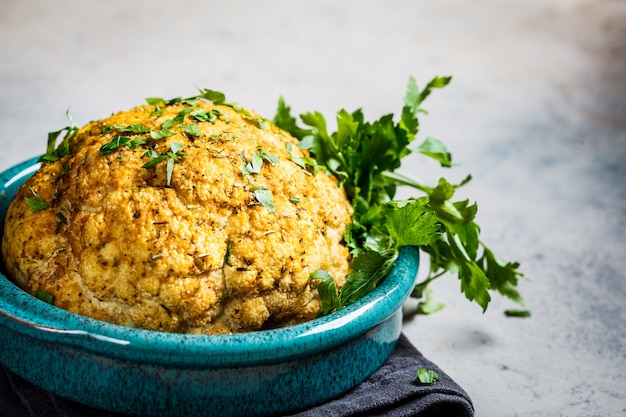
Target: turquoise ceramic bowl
(164, 374)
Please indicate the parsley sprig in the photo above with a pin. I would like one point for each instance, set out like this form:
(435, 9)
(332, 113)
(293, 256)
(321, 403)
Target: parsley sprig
(364, 156)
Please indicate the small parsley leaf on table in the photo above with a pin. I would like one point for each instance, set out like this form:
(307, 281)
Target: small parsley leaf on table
(426, 376)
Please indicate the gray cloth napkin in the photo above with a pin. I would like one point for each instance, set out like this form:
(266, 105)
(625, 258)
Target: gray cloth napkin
(389, 392)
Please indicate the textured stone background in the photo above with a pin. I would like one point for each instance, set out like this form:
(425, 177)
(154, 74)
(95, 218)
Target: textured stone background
(536, 112)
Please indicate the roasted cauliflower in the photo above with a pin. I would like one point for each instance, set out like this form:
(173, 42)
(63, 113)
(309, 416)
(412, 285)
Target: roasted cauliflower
(181, 216)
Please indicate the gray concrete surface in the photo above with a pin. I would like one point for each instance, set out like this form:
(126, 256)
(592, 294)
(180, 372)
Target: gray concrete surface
(536, 112)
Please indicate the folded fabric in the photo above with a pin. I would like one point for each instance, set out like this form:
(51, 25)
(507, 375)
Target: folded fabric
(390, 392)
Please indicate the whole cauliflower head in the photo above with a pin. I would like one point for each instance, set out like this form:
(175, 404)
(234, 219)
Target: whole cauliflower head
(180, 216)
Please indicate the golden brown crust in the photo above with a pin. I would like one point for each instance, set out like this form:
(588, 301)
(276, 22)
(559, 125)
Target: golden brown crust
(201, 255)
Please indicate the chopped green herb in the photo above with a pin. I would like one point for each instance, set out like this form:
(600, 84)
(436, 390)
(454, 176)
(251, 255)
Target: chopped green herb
(227, 256)
(295, 199)
(192, 101)
(169, 170)
(53, 154)
(62, 221)
(272, 159)
(155, 100)
(327, 290)
(178, 119)
(220, 113)
(161, 134)
(213, 96)
(264, 197)
(45, 296)
(159, 100)
(134, 128)
(155, 156)
(192, 129)
(36, 203)
(157, 112)
(254, 167)
(120, 141)
(303, 162)
(175, 149)
(204, 115)
(171, 123)
(426, 376)
(257, 120)
(171, 156)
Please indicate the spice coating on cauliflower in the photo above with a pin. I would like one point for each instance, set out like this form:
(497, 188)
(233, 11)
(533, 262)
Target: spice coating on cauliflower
(180, 217)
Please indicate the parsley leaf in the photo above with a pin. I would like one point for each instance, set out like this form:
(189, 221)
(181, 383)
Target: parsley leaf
(172, 156)
(36, 203)
(411, 222)
(304, 162)
(426, 376)
(45, 296)
(178, 119)
(120, 141)
(327, 291)
(436, 149)
(287, 122)
(256, 120)
(213, 96)
(154, 100)
(53, 154)
(156, 158)
(161, 134)
(264, 197)
(192, 129)
(204, 115)
(134, 128)
(227, 260)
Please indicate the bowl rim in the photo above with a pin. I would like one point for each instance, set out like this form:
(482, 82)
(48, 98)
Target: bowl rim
(23, 313)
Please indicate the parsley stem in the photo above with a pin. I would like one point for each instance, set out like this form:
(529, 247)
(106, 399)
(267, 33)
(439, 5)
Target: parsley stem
(406, 180)
(418, 289)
